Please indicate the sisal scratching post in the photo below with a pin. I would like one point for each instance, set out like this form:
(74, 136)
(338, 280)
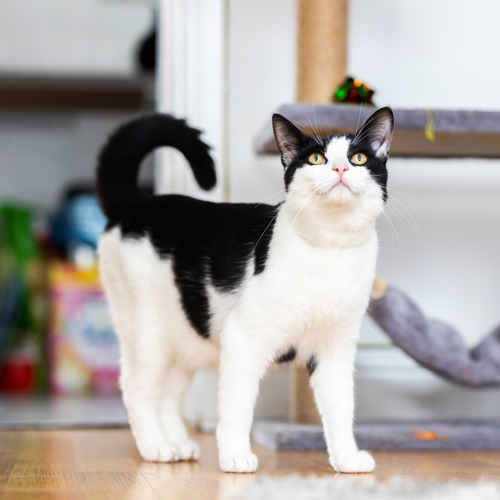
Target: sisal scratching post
(321, 67)
(302, 405)
(321, 48)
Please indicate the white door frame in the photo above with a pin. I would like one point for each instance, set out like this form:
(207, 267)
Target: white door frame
(192, 83)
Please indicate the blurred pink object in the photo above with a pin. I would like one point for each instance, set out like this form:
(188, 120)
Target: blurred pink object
(83, 348)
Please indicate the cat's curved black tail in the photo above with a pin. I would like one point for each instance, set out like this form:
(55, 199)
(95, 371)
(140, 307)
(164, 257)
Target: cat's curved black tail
(121, 157)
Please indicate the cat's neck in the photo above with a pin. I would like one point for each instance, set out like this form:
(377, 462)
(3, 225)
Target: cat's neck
(336, 227)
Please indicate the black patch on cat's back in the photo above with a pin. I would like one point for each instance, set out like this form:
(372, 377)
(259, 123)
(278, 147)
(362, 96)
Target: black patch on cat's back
(287, 356)
(208, 244)
(190, 283)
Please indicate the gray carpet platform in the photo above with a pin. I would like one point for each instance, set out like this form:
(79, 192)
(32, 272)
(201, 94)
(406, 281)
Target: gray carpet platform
(458, 133)
(385, 436)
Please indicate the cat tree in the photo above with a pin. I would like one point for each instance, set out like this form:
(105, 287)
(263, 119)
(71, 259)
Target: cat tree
(323, 23)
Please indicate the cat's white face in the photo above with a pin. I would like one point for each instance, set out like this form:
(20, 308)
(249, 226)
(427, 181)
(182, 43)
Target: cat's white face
(336, 181)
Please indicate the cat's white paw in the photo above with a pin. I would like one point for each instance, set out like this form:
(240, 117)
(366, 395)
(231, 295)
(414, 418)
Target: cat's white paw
(239, 462)
(361, 461)
(188, 450)
(160, 452)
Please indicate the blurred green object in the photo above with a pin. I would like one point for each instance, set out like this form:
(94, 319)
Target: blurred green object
(24, 310)
(353, 91)
(16, 224)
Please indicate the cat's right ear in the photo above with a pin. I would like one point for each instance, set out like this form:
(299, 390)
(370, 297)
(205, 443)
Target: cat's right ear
(288, 138)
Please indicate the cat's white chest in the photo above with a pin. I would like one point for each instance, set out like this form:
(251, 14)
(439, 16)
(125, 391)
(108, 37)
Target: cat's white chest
(313, 289)
(318, 276)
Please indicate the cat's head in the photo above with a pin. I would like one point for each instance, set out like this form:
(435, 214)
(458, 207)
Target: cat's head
(336, 175)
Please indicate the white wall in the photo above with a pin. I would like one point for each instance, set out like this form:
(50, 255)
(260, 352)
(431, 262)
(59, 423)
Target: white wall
(261, 77)
(427, 53)
(71, 36)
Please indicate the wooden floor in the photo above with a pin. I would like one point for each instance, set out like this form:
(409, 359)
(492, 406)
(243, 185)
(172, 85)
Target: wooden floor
(104, 464)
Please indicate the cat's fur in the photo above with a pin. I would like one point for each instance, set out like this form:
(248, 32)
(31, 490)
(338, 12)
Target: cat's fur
(197, 285)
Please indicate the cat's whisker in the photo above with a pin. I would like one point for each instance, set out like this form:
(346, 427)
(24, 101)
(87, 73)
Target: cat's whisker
(391, 190)
(410, 198)
(402, 207)
(407, 222)
(300, 210)
(269, 197)
(315, 122)
(401, 211)
(369, 131)
(393, 232)
(314, 131)
(306, 132)
(263, 232)
(317, 197)
(315, 205)
(392, 227)
(359, 118)
(324, 184)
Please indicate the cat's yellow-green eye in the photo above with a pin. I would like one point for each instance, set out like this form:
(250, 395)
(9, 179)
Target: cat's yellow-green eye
(359, 158)
(316, 159)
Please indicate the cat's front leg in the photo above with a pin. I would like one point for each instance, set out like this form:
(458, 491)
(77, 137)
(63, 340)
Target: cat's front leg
(242, 365)
(332, 379)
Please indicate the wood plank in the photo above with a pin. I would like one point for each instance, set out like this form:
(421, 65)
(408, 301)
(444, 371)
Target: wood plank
(104, 464)
(458, 133)
(71, 93)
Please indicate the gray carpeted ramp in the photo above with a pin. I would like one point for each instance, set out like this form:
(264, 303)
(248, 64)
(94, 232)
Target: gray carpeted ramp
(385, 436)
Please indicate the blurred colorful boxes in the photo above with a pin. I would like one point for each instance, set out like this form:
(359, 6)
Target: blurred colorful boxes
(82, 345)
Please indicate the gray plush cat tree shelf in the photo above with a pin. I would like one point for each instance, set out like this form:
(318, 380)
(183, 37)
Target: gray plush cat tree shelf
(458, 133)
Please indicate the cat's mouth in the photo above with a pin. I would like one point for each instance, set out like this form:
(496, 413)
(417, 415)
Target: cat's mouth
(339, 185)
(339, 188)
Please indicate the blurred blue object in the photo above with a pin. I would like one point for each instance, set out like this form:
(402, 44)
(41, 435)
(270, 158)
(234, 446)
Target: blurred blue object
(79, 220)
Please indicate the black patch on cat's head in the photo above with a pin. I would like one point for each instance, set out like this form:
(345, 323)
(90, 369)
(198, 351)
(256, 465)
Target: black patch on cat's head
(295, 147)
(373, 139)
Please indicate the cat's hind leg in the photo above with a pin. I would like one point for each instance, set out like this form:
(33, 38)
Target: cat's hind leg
(134, 288)
(146, 358)
(174, 387)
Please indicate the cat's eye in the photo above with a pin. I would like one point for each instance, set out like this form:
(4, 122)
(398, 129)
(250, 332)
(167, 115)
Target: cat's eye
(359, 158)
(316, 159)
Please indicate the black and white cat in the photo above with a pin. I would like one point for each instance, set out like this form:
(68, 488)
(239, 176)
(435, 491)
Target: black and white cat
(198, 285)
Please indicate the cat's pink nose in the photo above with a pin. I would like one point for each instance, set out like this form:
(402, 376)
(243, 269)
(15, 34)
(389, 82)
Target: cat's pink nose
(340, 169)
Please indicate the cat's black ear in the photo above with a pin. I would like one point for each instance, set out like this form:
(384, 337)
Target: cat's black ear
(377, 131)
(288, 137)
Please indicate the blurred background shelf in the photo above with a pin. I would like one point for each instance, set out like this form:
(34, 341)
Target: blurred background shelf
(61, 412)
(74, 93)
(457, 133)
